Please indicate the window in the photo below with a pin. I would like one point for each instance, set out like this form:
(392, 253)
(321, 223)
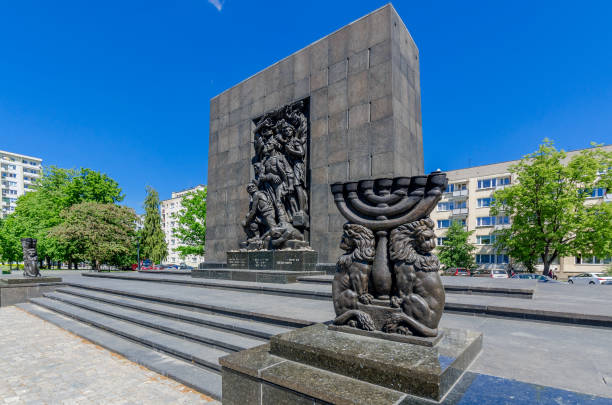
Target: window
(503, 259)
(460, 204)
(504, 220)
(598, 192)
(445, 206)
(485, 239)
(444, 223)
(450, 188)
(503, 181)
(485, 221)
(441, 241)
(484, 202)
(485, 259)
(592, 260)
(486, 183)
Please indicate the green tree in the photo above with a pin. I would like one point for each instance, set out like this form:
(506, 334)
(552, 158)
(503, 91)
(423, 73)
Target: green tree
(457, 251)
(191, 219)
(550, 209)
(10, 244)
(58, 189)
(100, 233)
(153, 245)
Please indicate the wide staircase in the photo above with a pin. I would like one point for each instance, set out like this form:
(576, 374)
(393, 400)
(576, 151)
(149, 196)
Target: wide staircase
(172, 337)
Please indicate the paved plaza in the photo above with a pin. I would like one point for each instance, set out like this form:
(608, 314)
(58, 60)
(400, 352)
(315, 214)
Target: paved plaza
(43, 364)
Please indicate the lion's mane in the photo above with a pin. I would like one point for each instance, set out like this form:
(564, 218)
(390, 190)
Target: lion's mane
(403, 246)
(363, 245)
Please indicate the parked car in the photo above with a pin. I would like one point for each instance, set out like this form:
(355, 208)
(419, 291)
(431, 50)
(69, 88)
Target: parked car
(459, 272)
(532, 276)
(499, 274)
(183, 266)
(590, 278)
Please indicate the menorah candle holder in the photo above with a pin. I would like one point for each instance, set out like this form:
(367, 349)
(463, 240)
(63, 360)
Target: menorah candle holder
(388, 278)
(383, 204)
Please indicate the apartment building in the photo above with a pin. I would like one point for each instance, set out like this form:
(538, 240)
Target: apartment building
(169, 208)
(17, 176)
(468, 199)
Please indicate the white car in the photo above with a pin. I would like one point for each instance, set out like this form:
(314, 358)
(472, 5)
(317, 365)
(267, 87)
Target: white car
(590, 278)
(499, 274)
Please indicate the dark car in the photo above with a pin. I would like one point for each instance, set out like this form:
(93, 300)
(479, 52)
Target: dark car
(530, 276)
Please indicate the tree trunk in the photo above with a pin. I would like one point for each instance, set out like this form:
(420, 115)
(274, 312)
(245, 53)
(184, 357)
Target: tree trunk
(546, 270)
(10, 265)
(48, 262)
(76, 265)
(59, 265)
(69, 264)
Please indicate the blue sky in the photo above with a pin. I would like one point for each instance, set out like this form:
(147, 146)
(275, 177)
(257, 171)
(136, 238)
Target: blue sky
(124, 86)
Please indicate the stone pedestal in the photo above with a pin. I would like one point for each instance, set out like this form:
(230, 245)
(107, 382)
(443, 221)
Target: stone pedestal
(287, 260)
(317, 364)
(29, 280)
(16, 290)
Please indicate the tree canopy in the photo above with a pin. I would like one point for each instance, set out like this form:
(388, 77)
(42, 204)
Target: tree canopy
(191, 220)
(457, 251)
(98, 232)
(551, 208)
(153, 243)
(37, 212)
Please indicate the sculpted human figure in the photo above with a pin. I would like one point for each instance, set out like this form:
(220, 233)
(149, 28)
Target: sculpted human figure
(350, 284)
(296, 153)
(419, 290)
(261, 212)
(280, 177)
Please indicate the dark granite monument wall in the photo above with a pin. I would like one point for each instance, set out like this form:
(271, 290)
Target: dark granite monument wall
(365, 121)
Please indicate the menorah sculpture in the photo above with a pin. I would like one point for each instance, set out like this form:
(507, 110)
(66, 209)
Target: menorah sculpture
(388, 280)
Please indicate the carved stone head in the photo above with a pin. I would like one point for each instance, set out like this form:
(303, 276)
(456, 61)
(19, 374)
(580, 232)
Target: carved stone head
(359, 240)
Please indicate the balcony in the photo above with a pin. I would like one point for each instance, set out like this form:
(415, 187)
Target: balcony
(459, 212)
(460, 193)
(501, 226)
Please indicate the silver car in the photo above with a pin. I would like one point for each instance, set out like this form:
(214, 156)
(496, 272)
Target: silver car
(590, 278)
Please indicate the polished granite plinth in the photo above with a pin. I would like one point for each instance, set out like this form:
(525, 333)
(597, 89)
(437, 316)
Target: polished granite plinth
(319, 364)
(29, 280)
(287, 260)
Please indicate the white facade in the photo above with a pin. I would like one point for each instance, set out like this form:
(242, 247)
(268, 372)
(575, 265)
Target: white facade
(17, 176)
(170, 208)
(468, 198)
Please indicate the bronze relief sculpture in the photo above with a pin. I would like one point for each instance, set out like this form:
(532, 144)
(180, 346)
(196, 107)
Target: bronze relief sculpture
(278, 211)
(388, 280)
(30, 258)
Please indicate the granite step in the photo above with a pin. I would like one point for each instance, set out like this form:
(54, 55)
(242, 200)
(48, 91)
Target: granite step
(213, 337)
(192, 304)
(257, 276)
(236, 325)
(293, 290)
(203, 380)
(182, 348)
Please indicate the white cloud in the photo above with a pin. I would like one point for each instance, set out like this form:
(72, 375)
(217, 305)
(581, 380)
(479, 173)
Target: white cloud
(218, 4)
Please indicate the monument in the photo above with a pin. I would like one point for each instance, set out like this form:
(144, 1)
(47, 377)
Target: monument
(384, 346)
(350, 107)
(30, 257)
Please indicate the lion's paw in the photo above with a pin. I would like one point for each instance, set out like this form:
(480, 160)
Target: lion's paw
(366, 298)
